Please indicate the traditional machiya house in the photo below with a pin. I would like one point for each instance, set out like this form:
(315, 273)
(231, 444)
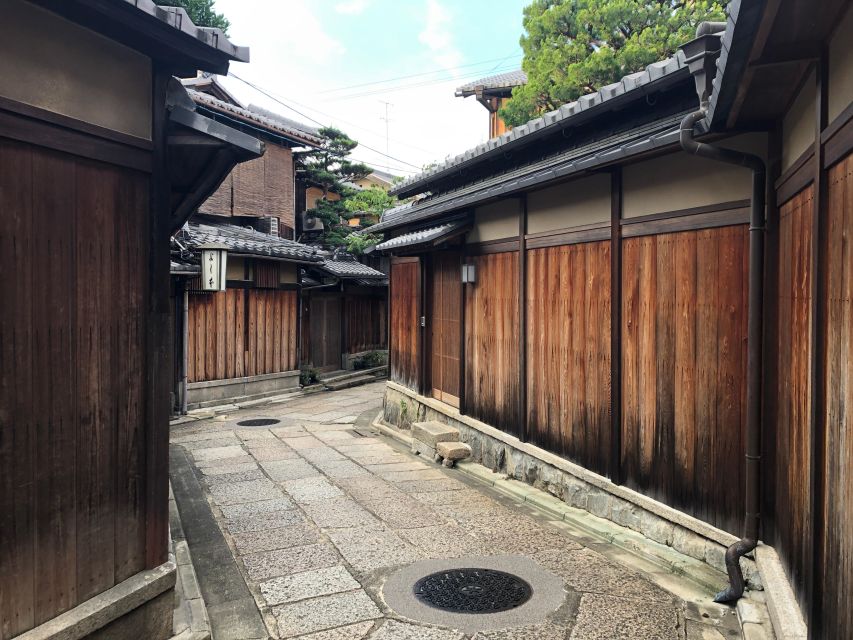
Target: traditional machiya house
(493, 92)
(242, 342)
(641, 302)
(344, 319)
(90, 119)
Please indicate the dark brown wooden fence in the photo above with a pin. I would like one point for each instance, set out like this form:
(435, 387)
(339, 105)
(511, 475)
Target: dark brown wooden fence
(790, 411)
(241, 332)
(405, 295)
(366, 323)
(568, 351)
(491, 341)
(836, 577)
(684, 370)
(73, 431)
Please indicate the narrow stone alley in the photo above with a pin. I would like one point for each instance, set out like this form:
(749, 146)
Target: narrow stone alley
(315, 526)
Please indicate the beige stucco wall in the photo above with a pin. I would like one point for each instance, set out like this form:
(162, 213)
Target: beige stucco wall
(840, 83)
(680, 181)
(495, 221)
(288, 273)
(571, 204)
(235, 268)
(798, 124)
(51, 63)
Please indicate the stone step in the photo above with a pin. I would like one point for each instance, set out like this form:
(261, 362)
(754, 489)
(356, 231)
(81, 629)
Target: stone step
(350, 382)
(341, 374)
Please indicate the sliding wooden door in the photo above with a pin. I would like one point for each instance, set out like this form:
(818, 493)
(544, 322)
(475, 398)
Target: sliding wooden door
(445, 326)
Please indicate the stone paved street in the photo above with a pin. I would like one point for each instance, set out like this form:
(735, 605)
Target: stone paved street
(318, 511)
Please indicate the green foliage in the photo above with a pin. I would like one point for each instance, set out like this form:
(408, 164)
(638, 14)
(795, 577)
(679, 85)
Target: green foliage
(575, 47)
(200, 12)
(358, 243)
(308, 376)
(372, 201)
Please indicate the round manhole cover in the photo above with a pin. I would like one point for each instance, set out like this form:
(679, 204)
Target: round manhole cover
(258, 422)
(473, 590)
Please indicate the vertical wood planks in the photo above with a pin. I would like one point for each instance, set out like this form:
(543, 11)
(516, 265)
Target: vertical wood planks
(444, 326)
(491, 331)
(684, 370)
(568, 290)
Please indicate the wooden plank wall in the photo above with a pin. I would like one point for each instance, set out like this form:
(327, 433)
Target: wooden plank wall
(241, 332)
(405, 295)
(366, 323)
(72, 408)
(836, 577)
(491, 342)
(790, 415)
(568, 352)
(684, 315)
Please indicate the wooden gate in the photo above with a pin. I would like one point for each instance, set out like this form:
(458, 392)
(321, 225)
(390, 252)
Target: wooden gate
(445, 331)
(405, 321)
(326, 332)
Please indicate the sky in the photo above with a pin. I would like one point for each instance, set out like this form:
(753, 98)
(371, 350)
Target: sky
(337, 62)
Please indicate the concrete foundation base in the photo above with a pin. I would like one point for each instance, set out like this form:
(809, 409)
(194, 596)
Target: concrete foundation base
(205, 394)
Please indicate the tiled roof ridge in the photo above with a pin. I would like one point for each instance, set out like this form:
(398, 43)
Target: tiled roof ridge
(513, 78)
(216, 104)
(626, 85)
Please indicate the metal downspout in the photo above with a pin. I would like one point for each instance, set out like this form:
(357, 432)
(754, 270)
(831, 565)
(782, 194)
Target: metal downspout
(755, 323)
(185, 330)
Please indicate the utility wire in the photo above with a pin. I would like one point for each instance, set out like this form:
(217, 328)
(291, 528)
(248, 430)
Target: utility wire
(272, 97)
(417, 75)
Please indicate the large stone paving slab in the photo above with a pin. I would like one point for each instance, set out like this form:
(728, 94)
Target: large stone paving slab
(324, 613)
(608, 618)
(308, 584)
(269, 564)
(272, 539)
(369, 549)
(262, 521)
(356, 631)
(402, 513)
(339, 513)
(252, 508)
(394, 630)
(308, 490)
(280, 470)
(250, 491)
(218, 453)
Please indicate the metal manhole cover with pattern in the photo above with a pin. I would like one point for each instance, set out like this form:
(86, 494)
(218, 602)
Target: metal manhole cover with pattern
(473, 590)
(258, 422)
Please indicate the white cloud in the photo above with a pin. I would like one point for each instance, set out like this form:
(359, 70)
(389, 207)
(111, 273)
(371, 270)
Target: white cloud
(351, 7)
(437, 37)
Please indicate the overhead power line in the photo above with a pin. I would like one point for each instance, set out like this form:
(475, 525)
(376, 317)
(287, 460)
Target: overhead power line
(423, 73)
(317, 122)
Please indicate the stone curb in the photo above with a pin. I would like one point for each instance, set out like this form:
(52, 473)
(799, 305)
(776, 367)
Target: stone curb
(191, 621)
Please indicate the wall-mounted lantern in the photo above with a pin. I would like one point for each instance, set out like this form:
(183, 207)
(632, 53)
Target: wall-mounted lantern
(469, 274)
(214, 259)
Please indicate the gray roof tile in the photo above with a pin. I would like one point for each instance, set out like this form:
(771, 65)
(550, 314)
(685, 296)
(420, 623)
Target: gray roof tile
(347, 267)
(243, 241)
(498, 81)
(422, 236)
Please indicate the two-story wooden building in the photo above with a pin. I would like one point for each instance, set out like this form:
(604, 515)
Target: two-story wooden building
(641, 302)
(101, 159)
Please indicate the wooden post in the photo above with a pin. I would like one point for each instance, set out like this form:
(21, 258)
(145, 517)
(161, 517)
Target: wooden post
(522, 319)
(616, 325)
(464, 292)
(817, 373)
(156, 338)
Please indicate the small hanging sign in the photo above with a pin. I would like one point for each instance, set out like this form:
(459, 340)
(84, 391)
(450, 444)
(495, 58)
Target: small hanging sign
(214, 259)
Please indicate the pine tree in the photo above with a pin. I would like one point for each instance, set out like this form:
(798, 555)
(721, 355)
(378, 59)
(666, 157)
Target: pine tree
(574, 47)
(329, 168)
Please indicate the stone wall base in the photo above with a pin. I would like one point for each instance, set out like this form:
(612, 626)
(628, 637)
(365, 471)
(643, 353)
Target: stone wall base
(576, 486)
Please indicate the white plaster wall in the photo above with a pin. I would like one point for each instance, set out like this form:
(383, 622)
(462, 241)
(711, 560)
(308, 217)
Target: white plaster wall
(571, 204)
(495, 221)
(52, 63)
(798, 125)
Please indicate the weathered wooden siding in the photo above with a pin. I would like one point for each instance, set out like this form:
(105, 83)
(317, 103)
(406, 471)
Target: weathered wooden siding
(405, 294)
(445, 326)
(836, 578)
(72, 387)
(793, 397)
(683, 370)
(366, 323)
(568, 351)
(491, 342)
(325, 332)
(241, 332)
